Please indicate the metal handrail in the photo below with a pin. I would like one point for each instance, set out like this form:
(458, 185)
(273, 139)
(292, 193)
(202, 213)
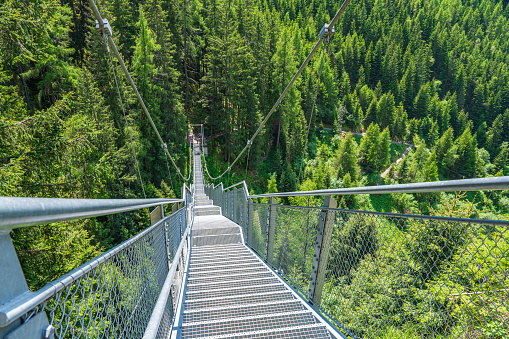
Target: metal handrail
(493, 183)
(27, 301)
(396, 215)
(158, 312)
(234, 185)
(23, 212)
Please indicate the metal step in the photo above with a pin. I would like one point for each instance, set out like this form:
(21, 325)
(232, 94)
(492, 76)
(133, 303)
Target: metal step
(227, 270)
(237, 300)
(220, 256)
(206, 210)
(215, 231)
(231, 284)
(217, 239)
(255, 323)
(299, 332)
(228, 266)
(235, 291)
(208, 260)
(223, 261)
(230, 277)
(244, 310)
(221, 248)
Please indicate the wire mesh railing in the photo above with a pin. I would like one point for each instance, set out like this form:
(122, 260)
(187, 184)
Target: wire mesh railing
(232, 200)
(392, 275)
(384, 275)
(113, 295)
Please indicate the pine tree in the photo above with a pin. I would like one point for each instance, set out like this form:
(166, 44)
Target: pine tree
(346, 157)
(383, 150)
(431, 168)
(143, 59)
(502, 159)
(369, 148)
(124, 32)
(385, 111)
(467, 155)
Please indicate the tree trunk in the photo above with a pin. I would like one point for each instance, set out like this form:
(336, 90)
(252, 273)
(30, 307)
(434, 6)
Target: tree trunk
(25, 89)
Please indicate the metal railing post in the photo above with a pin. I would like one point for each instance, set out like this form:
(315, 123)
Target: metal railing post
(13, 285)
(230, 204)
(244, 216)
(250, 213)
(235, 208)
(323, 240)
(220, 200)
(271, 229)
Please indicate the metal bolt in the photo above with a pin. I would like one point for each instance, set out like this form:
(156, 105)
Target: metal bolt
(48, 332)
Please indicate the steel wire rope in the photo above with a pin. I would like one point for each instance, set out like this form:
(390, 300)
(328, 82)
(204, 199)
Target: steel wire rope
(329, 31)
(102, 25)
(312, 110)
(140, 99)
(169, 172)
(247, 161)
(206, 168)
(125, 118)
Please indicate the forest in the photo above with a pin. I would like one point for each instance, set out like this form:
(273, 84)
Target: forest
(422, 81)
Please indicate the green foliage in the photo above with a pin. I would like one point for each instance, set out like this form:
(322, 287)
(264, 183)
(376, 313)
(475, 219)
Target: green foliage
(374, 150)
(345, 158)
(428, 72)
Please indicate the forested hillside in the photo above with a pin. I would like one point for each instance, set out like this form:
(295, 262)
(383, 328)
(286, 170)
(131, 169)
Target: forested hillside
(430, 74)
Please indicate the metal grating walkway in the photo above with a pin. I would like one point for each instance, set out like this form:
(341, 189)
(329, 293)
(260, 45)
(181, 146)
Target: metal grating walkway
(231, 292)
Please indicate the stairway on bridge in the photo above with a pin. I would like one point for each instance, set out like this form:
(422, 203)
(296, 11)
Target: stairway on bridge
(230, 291)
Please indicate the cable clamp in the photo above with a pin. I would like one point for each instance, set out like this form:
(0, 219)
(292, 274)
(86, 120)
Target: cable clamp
(164, 146)
(106, 27)
(325, 32)
(249, 142)
(229, 168)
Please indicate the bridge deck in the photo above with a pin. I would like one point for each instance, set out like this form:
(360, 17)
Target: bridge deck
(231, 292)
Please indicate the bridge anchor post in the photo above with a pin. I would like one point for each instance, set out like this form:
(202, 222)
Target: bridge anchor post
(322, 248)
(13, 285)
(271, 230)
(245, 216)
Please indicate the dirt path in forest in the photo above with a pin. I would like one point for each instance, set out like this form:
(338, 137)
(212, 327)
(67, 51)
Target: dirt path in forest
(384, 173)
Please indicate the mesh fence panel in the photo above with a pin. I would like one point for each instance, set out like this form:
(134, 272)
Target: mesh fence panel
(239, 201)
(397, 276)
(260, 221)
(294, 243)
(116, 296)
(392, 276)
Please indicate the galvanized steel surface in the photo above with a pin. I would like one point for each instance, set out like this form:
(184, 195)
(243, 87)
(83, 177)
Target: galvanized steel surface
(479, 184)
(113, 295)
(397, 275)
(22, 212)
(230, 291)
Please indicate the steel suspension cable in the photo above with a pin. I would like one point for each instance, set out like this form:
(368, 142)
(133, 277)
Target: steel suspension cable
(103, 26)
(329, 31)
(126, 123)
(169, 172)
(247, 161)
(206, 168)
(312, 111)
(142, 103)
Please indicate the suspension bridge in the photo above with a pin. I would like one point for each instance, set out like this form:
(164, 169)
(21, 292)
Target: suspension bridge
(228, 264)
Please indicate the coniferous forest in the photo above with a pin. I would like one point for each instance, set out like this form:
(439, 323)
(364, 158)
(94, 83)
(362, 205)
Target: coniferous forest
(409, 91)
